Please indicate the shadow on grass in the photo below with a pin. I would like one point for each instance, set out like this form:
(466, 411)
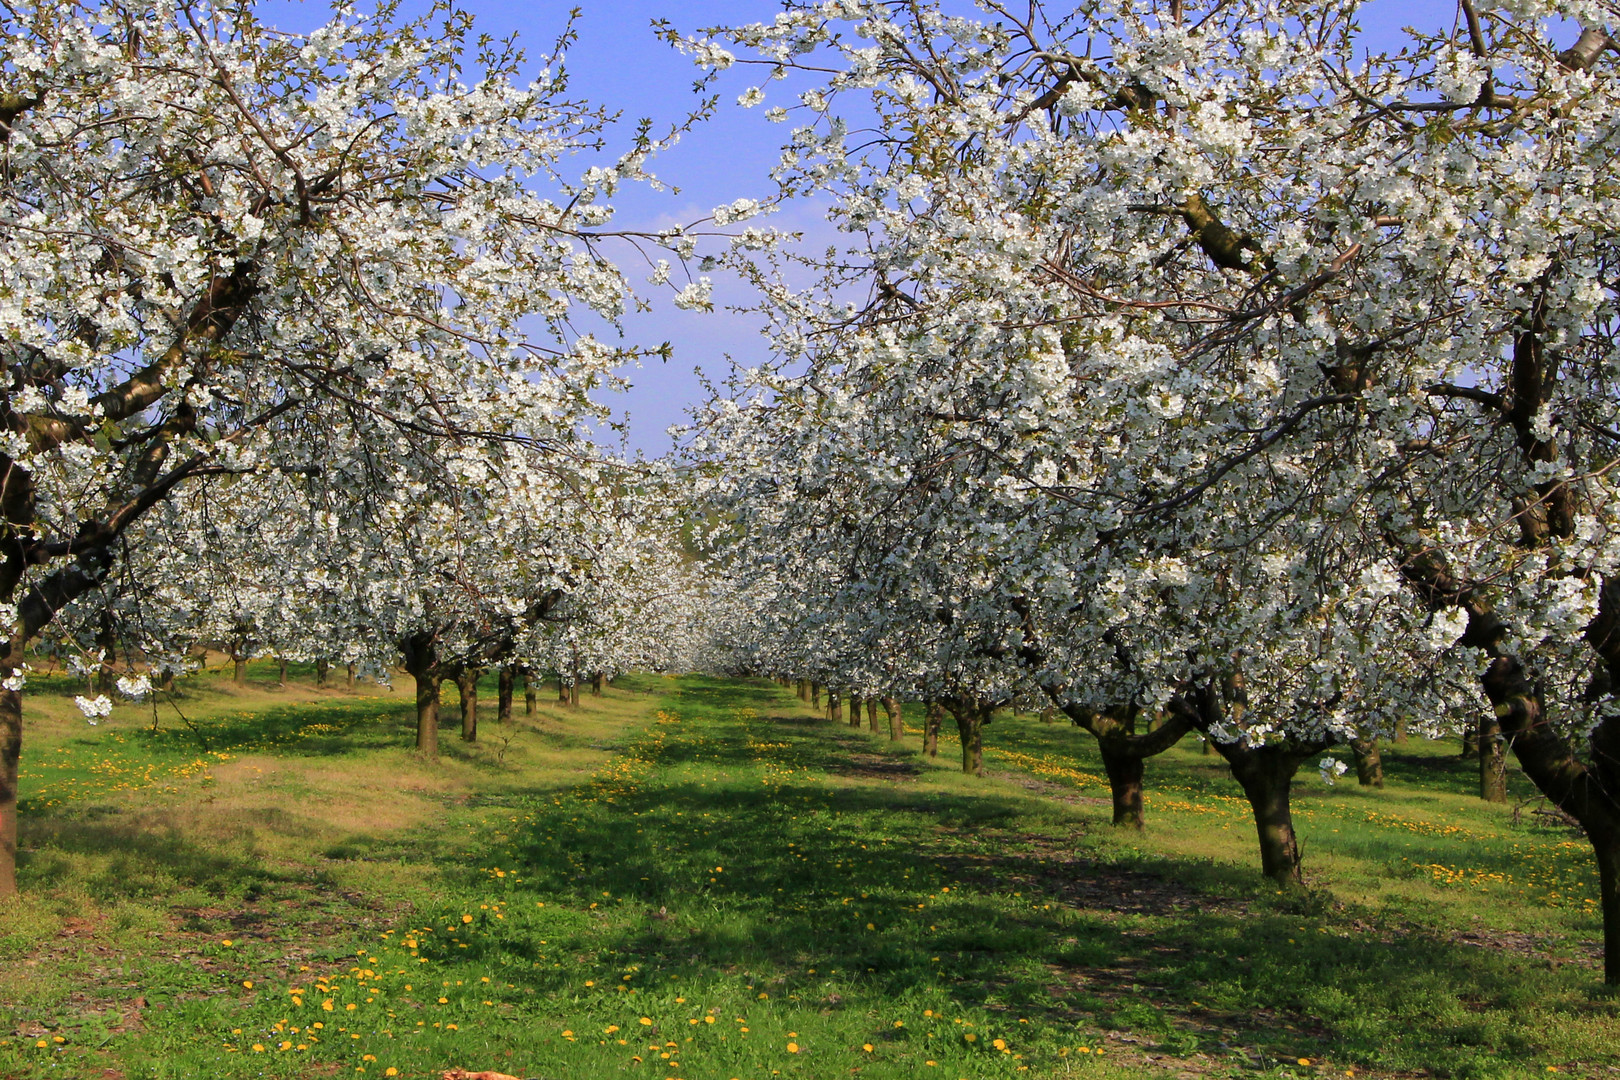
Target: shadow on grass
(983, 900)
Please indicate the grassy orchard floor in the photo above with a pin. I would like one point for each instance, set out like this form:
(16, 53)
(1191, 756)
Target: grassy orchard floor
(700, 869)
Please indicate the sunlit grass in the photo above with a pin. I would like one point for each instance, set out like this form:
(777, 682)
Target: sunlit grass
(696, 879)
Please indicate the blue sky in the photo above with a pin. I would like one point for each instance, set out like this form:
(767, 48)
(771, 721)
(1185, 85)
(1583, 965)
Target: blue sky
(619, 63)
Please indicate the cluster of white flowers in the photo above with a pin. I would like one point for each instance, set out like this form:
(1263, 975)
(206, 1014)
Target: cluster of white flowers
(1317, 328)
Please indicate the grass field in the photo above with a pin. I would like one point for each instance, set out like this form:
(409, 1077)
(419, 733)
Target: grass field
(698, 879)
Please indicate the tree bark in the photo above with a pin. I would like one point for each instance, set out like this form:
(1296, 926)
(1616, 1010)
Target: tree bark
(596, 683)
(855, 711)
(1124, 771)
(562, 689)
(897, 727)
(1492, 761)
(351, 677)
(1608, 860)
(239, 675)
(933, 716)
(1266, 774)
(815, 695)
(1369, 762)
(531, 700)
(422, 663)
(323, 672)
(1470, 740)
(503, 694)
(10, 762)
(467, 684)
(1124, 750)
(835, 706)
(970, 729)
(871, 715)
(281, 674)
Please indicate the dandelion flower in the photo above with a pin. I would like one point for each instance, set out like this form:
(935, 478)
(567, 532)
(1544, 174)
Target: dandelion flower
(793, 1048)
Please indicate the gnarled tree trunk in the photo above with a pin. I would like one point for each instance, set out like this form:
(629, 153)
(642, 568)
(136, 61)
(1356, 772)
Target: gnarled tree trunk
(1124, 750)
(1266, 774)
(971, 716)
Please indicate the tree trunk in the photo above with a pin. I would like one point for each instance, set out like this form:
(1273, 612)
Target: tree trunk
(351, 678)
(1400, 733)
(1369, 762)
(815, 695)
(467, 683)
(281, 676)
(596, 684)
(239, 676)
(970, 729)
(1470, 741)
(10, 761)
(835, 706)
(573, 693)
(802, 688)
(897, 727)
(933, 715)
(855, 711)
(503, 694)
(871, 715)
(422, 663)
(562, 689)
(531, 700)
(1492, 761)
(323, 672)
(1608, 860)
(1124, 770)
(1209, 746)
(1266, 774)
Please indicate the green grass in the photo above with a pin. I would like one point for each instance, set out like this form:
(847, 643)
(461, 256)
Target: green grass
(701, 869)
